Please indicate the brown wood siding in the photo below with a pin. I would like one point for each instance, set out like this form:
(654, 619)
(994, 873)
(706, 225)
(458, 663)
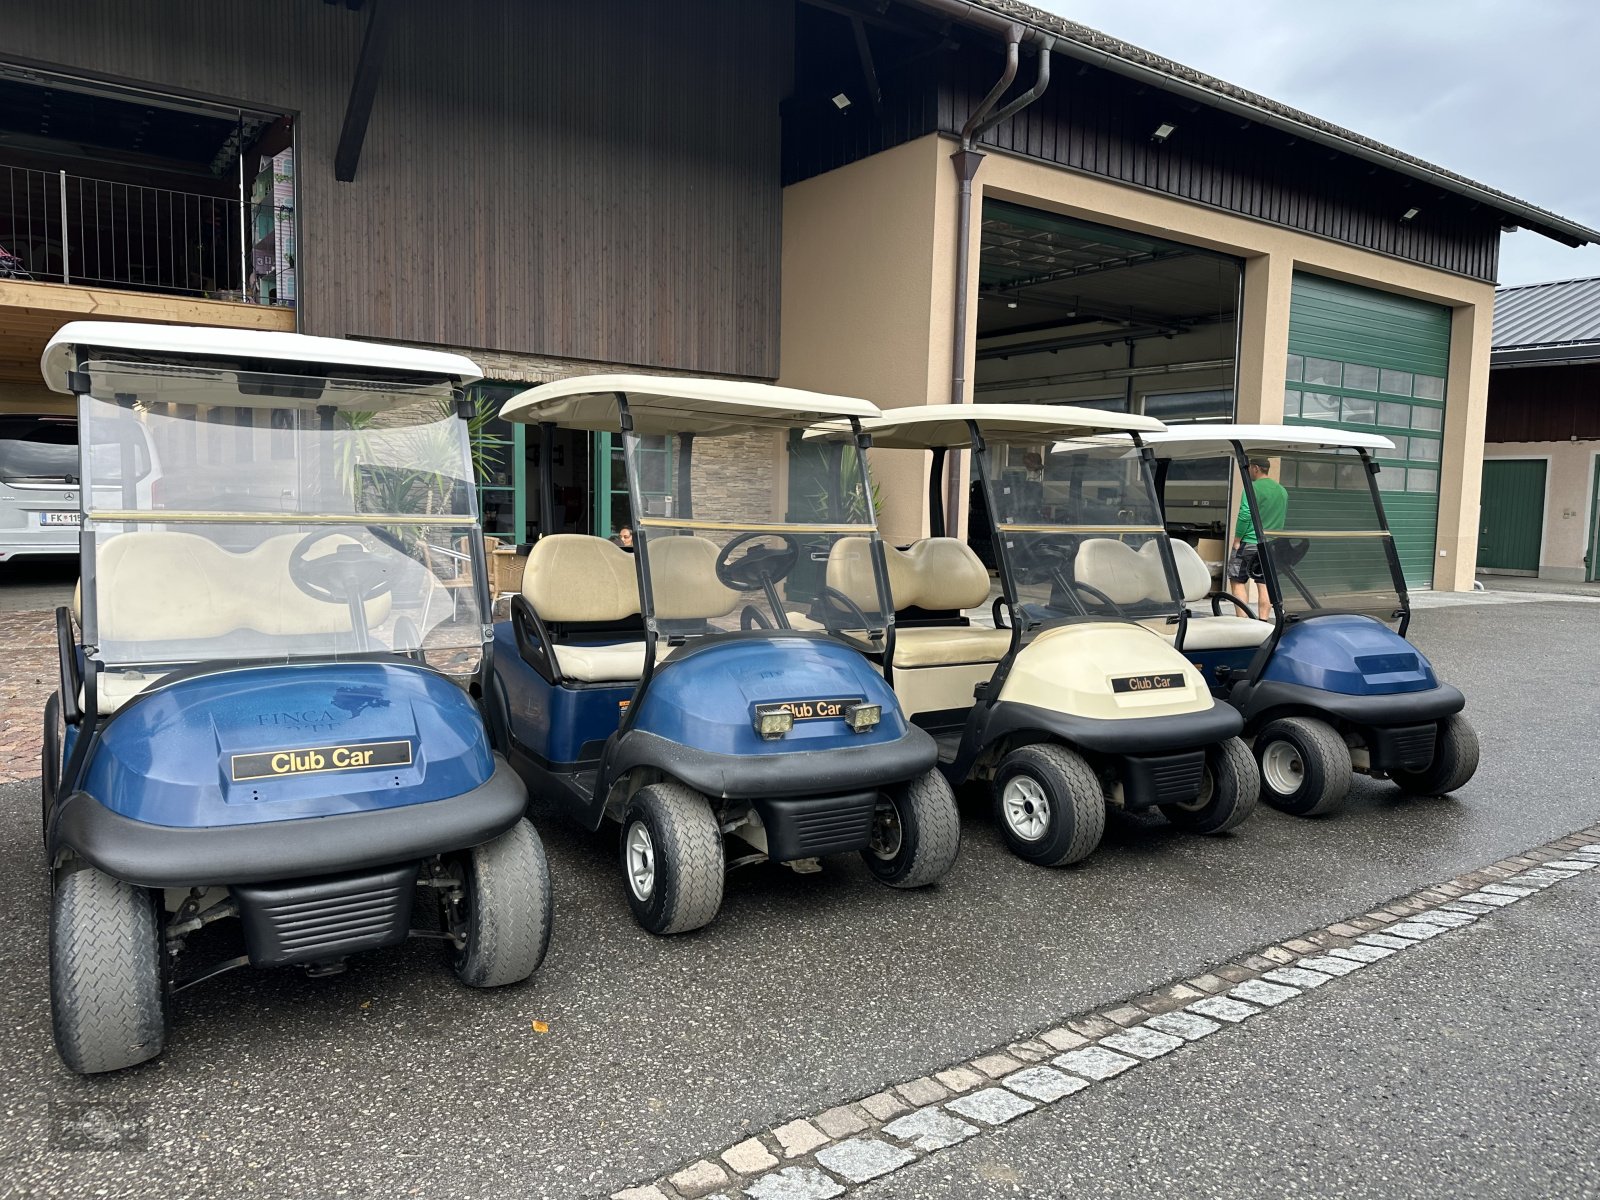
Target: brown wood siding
(586, 179)
(1543, 404)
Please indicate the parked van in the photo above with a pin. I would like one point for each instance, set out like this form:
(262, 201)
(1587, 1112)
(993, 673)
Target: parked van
(39, 484)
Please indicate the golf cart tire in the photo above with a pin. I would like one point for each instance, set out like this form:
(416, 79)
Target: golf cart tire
(1455, 761)
(1324, 766)
(1234, 783)
(1077, 816)
(508, 909)
(108, 995)
(690, 865)
(930, 833)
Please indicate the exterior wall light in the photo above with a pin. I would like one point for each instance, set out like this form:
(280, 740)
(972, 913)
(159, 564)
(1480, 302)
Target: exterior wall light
(841, 102)
(1163, 132)
(1409, 214)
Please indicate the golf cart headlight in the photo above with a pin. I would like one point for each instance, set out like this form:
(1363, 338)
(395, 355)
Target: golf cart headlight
(862, 717)
(774, 723)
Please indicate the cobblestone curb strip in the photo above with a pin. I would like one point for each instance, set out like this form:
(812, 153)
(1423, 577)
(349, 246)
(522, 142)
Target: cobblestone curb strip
(829, 1153)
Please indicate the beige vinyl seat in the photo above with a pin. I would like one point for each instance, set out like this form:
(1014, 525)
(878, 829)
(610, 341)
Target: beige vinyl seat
(579, 579)
(160, 591)
(1205, 631)
(938, 574)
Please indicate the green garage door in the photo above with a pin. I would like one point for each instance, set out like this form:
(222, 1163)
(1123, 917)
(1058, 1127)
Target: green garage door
(1368, 360)
(1511, 516)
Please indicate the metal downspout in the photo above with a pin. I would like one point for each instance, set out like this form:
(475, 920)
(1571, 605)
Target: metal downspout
(966, 161)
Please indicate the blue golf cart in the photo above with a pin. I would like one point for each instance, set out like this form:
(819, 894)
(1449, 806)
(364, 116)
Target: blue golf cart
(676, 689)
(267, 747)
(1329, 685)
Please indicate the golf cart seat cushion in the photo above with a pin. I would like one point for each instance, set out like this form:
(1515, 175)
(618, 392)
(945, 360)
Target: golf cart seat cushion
(604, 662)
(1118, 570)
(948, 645)
(1207, 631)
(683, 579)
(935, 573)
(1194, 577)
(575, 577)
(156, 585)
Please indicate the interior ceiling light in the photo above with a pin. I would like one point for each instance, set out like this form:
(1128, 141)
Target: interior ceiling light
(1163, 132)
(1011, 303)
(841, 102)
(1409, 214)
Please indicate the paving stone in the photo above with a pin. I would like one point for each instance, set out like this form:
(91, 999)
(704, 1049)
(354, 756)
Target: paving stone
(1178, 994)
(1343, 930)
(1493, 873)
(1573, 864)
(1184, 1025)
(1125, 1015)
(861, 1159)
(1408, 907)
(1361, 953)
(996, 1065)
(1415, 931)
(1446, 917)
(1329, 964)
(959, 1079)
(1366, 924)
(1029, 1052)
(1297, 977)
(1045, 1084)
(1258, 991)
(1143, 1042)
(930, 1129)
(749, 1157)
(1450, 889)
(1093, 1027)
(840, 1122)
(1494, 899)
(1466, 906)
(1384, 940)
(1300, 946)
(923, 1091)
(1589, 851)
(795, 1183)
(650, 1192)
(1259, 962)
(802, 1137)
(1505, 889)
(1224, 1009)
(1062, 1039)
(1434, 895)
(1095, 1062)
(1540, 877)
(1208, 983)
(1235, 973)
(885, 1105)
(699, 1179)
(1280, 955)
(992, 1106)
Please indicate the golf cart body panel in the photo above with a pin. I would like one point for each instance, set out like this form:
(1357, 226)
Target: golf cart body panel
(689, 678)
(267, 692)
(1336, 655)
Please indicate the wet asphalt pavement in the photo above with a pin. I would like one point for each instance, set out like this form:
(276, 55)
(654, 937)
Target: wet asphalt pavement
(808, 990)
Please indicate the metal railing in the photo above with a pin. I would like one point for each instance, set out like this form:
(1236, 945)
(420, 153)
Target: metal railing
(56, 227)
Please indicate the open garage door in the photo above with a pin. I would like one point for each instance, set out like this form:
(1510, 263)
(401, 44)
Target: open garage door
(1369, 360)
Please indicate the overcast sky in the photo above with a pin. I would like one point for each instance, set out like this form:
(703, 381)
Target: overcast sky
(1506, 93)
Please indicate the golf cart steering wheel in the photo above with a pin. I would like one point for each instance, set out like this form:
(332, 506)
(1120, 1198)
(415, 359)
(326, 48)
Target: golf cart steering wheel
(351, 575)
(761, 566)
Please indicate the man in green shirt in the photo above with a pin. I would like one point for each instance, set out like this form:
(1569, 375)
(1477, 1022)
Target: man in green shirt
(1244, 566)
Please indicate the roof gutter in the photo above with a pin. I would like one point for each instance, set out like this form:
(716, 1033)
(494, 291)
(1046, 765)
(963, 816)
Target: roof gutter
(1573, 354)
(1549, 224)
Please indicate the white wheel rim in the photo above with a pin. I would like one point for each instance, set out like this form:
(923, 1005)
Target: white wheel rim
(1283, 768)
(639, 855)
(1026, 807)
(1208, 787)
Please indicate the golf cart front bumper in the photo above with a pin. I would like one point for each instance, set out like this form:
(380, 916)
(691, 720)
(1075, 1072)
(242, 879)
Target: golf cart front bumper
(165, 856)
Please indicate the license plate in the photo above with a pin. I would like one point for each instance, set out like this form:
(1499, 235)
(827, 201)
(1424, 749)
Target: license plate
(1148, 683)
(316, 760)
(59, 518)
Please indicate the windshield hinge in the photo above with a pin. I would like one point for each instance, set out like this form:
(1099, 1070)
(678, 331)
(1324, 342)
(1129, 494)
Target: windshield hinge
(79, 383)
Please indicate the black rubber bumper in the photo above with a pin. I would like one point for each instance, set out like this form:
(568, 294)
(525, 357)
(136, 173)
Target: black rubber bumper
(1129, 735)
(1269, 698)
(839, 770)
(219, 856)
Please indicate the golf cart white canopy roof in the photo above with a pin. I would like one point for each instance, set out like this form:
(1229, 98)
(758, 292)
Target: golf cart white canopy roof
(663, 404)
(282, 350)
(944, 426)
(1209, 441)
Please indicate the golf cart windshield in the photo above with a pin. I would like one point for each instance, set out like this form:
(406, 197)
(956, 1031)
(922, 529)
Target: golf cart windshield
(744, 536)
(259, 515)
(1332, 551)
(1080, 531)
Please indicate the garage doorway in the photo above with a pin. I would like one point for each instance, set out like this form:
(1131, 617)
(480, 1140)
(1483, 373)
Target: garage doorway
(1511, 515)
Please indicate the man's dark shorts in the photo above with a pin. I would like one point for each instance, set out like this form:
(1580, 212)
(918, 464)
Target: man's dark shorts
(1244, 564)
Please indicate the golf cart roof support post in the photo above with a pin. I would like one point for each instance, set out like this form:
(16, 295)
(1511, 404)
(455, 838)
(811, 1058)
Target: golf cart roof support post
(1269, 571)
(1002, 561)
(683, 495)
(641, 561)
(1391, 551)
(1169, 565)
(966, 161)
(936, 494)
(547, 480)
(880, 561)
(88, 614)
